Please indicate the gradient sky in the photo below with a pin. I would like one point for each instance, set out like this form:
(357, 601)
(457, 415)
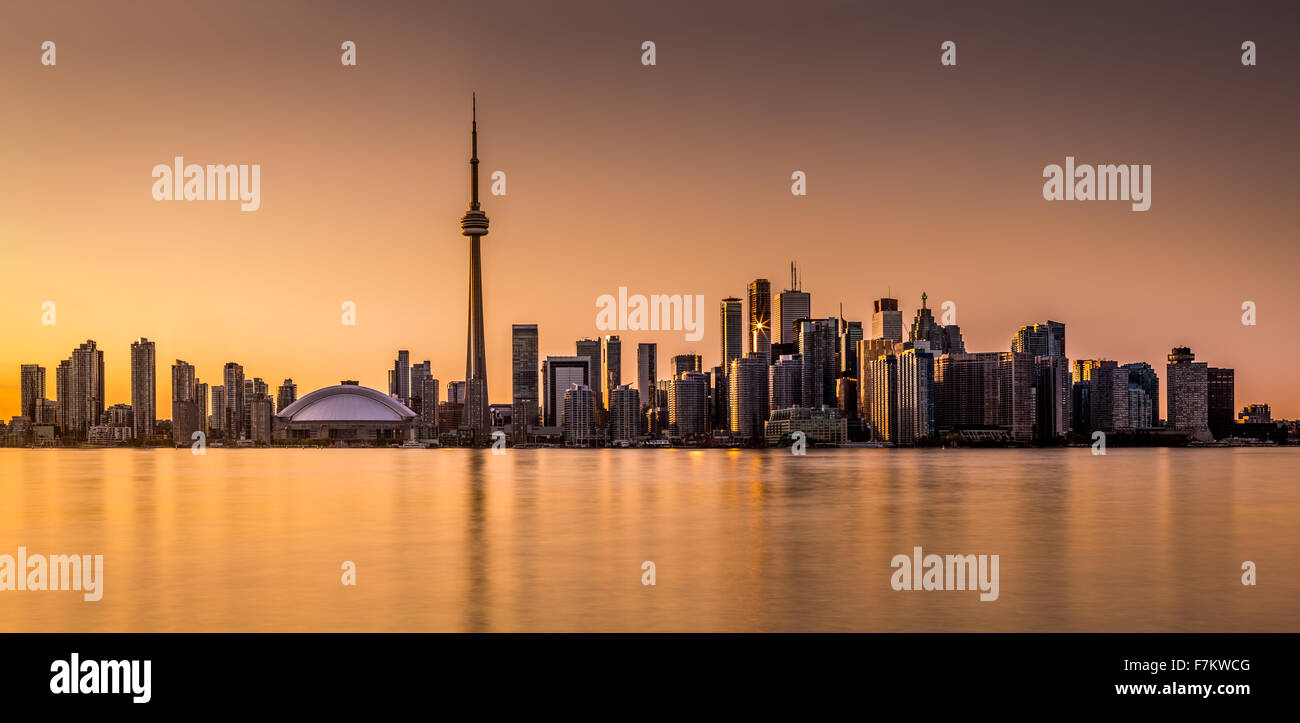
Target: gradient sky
(665, 179)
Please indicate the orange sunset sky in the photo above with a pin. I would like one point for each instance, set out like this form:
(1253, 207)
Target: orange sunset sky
(666, 179)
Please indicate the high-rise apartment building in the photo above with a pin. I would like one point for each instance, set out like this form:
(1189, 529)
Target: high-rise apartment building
(1187, 393)
(285, 394)
(624, 413)
(144, 387)
(578, 419)
(1145, 377)
(748, 395)
(187, 412)
(236, 401)
(81, 390)
(31, 383)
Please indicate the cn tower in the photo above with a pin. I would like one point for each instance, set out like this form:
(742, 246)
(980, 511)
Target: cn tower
(475, 225)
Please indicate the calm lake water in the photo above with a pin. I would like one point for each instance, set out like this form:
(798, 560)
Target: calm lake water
(554, 540)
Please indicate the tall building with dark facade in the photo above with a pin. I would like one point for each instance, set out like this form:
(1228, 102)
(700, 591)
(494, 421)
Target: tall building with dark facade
(760, 318)
(31, 383)
(1053, 397)
(792, 305)
(647, 371)
(1221, 402)
(524, 367)
(1187, 393)
(400, 380)
(1040, 339)
(285, 394)
(144, 387)
(236, 403)
(590, 348)
(732, 327)
(687, 363)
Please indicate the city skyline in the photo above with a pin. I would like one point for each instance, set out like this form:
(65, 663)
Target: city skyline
(917, 181)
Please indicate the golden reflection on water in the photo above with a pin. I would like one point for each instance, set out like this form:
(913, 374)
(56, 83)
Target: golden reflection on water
(554, 540)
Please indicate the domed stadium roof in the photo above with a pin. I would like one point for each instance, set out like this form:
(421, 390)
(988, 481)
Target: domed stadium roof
(346, 403)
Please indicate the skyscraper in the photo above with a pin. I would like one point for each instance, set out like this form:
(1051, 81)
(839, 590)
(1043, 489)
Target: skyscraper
(578, 423)
(31, 381)
(687, 363)
(760, 320)
(523, 370)
(590, 348)
(688, 408)
(474, 224)
(915, 396)
(732, 331)
(748, 395)
(83, 387)
(419, 372)
(187, 413)
(401, 384)
(144, 387)
(611, 365)
(817, 340)
(886, 320)
(286, 394)
(217, 417)
(850, 335)
(1040, 339)
(1187, 393)
(232, 422)
(791, 305)
(785, 382)
(1141, 374)
(647, 371)
(1220, 405)
(559, 373)
(1053, 397)
(624, 413)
